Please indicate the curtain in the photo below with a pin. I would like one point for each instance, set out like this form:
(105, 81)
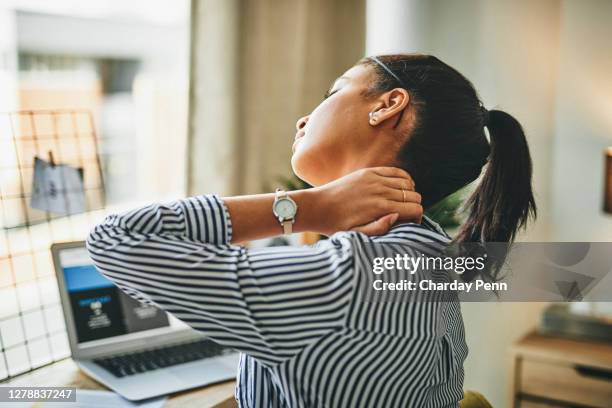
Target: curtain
(256, 67)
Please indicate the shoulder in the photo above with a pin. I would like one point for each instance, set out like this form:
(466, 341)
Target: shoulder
(426, 231)
(427, 237)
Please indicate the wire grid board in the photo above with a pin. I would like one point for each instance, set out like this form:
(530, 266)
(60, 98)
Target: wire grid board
(32, 331)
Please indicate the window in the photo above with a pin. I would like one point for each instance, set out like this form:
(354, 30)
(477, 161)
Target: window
(105, 77)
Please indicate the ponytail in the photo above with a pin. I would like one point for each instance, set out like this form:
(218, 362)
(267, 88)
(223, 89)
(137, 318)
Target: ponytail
(503, 202)
(446, 148)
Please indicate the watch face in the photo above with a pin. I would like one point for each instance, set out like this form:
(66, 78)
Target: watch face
(285, 208)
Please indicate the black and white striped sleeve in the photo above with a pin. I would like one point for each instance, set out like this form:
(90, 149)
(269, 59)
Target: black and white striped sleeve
(269, 303)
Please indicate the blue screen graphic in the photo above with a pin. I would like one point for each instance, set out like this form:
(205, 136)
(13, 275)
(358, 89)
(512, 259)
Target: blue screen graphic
(85, 277)
(99, 309)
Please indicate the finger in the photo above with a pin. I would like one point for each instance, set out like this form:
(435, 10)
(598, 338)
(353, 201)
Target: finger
(391, 172)
(408, 212)
(378, 227)
(398, 183)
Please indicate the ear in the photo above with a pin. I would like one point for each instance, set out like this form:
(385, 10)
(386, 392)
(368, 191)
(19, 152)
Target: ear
(388, 105)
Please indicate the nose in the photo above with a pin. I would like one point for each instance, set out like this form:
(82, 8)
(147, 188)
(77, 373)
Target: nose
(299, 125)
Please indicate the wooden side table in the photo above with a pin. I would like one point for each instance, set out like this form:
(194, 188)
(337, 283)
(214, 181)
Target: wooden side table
(559, 372)
(66, 373)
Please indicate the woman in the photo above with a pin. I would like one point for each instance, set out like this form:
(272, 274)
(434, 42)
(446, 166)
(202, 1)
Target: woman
(306, 339)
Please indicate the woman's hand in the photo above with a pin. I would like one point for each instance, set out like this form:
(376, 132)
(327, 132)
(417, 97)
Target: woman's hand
(368, 200)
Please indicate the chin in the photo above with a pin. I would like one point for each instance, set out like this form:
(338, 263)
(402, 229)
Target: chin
(303, 169)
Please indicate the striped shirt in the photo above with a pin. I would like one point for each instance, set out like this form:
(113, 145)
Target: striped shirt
(306, 339)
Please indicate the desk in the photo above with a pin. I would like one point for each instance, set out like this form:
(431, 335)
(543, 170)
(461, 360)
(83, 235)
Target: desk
(65, 373)
(556, 372)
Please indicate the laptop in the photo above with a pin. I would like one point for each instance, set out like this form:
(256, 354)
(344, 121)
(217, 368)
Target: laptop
(137, 350)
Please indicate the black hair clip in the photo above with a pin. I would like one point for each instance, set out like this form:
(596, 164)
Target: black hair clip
(388, 71)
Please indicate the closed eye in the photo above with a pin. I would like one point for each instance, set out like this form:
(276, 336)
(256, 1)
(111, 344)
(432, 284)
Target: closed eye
(328, 94)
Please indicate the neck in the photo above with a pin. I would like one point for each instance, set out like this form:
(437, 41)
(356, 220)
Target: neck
(375, 155)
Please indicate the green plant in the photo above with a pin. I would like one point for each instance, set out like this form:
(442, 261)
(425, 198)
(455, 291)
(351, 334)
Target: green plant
(287, 183)
(447, 212)
(293, 183)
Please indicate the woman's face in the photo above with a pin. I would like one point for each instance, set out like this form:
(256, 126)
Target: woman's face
(337, 137)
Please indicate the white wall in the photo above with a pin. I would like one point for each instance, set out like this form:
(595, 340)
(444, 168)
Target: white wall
(521, 57)
(583, 122)
(385, 33)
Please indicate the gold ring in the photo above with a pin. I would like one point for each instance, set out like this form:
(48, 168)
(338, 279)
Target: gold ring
(403, 195)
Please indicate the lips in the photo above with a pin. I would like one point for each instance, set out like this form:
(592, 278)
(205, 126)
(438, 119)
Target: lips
(298, 136)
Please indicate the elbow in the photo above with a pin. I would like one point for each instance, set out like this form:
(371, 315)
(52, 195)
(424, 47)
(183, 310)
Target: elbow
(100, 234)
(100, 243)
(93, 241)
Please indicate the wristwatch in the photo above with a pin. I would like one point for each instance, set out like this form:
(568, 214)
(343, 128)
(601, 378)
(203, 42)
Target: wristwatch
(285, 209)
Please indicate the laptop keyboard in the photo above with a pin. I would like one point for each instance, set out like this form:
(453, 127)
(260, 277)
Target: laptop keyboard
(156, 358)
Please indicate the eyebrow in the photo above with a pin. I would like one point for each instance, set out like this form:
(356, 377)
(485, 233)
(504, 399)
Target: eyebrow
(336, 80)
(339, 78)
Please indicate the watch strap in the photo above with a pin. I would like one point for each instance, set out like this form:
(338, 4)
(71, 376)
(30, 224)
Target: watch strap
(287, 224)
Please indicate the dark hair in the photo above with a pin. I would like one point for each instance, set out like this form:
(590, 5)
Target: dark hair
(447, 147)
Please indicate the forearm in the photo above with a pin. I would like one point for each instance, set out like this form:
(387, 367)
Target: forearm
(197, 219)
(252, 216)
(365, 200)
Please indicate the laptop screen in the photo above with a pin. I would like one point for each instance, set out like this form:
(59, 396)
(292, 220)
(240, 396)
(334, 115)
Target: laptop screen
(99, 309)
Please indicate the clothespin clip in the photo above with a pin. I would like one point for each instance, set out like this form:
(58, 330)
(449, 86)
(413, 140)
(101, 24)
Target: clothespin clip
(51, 160)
